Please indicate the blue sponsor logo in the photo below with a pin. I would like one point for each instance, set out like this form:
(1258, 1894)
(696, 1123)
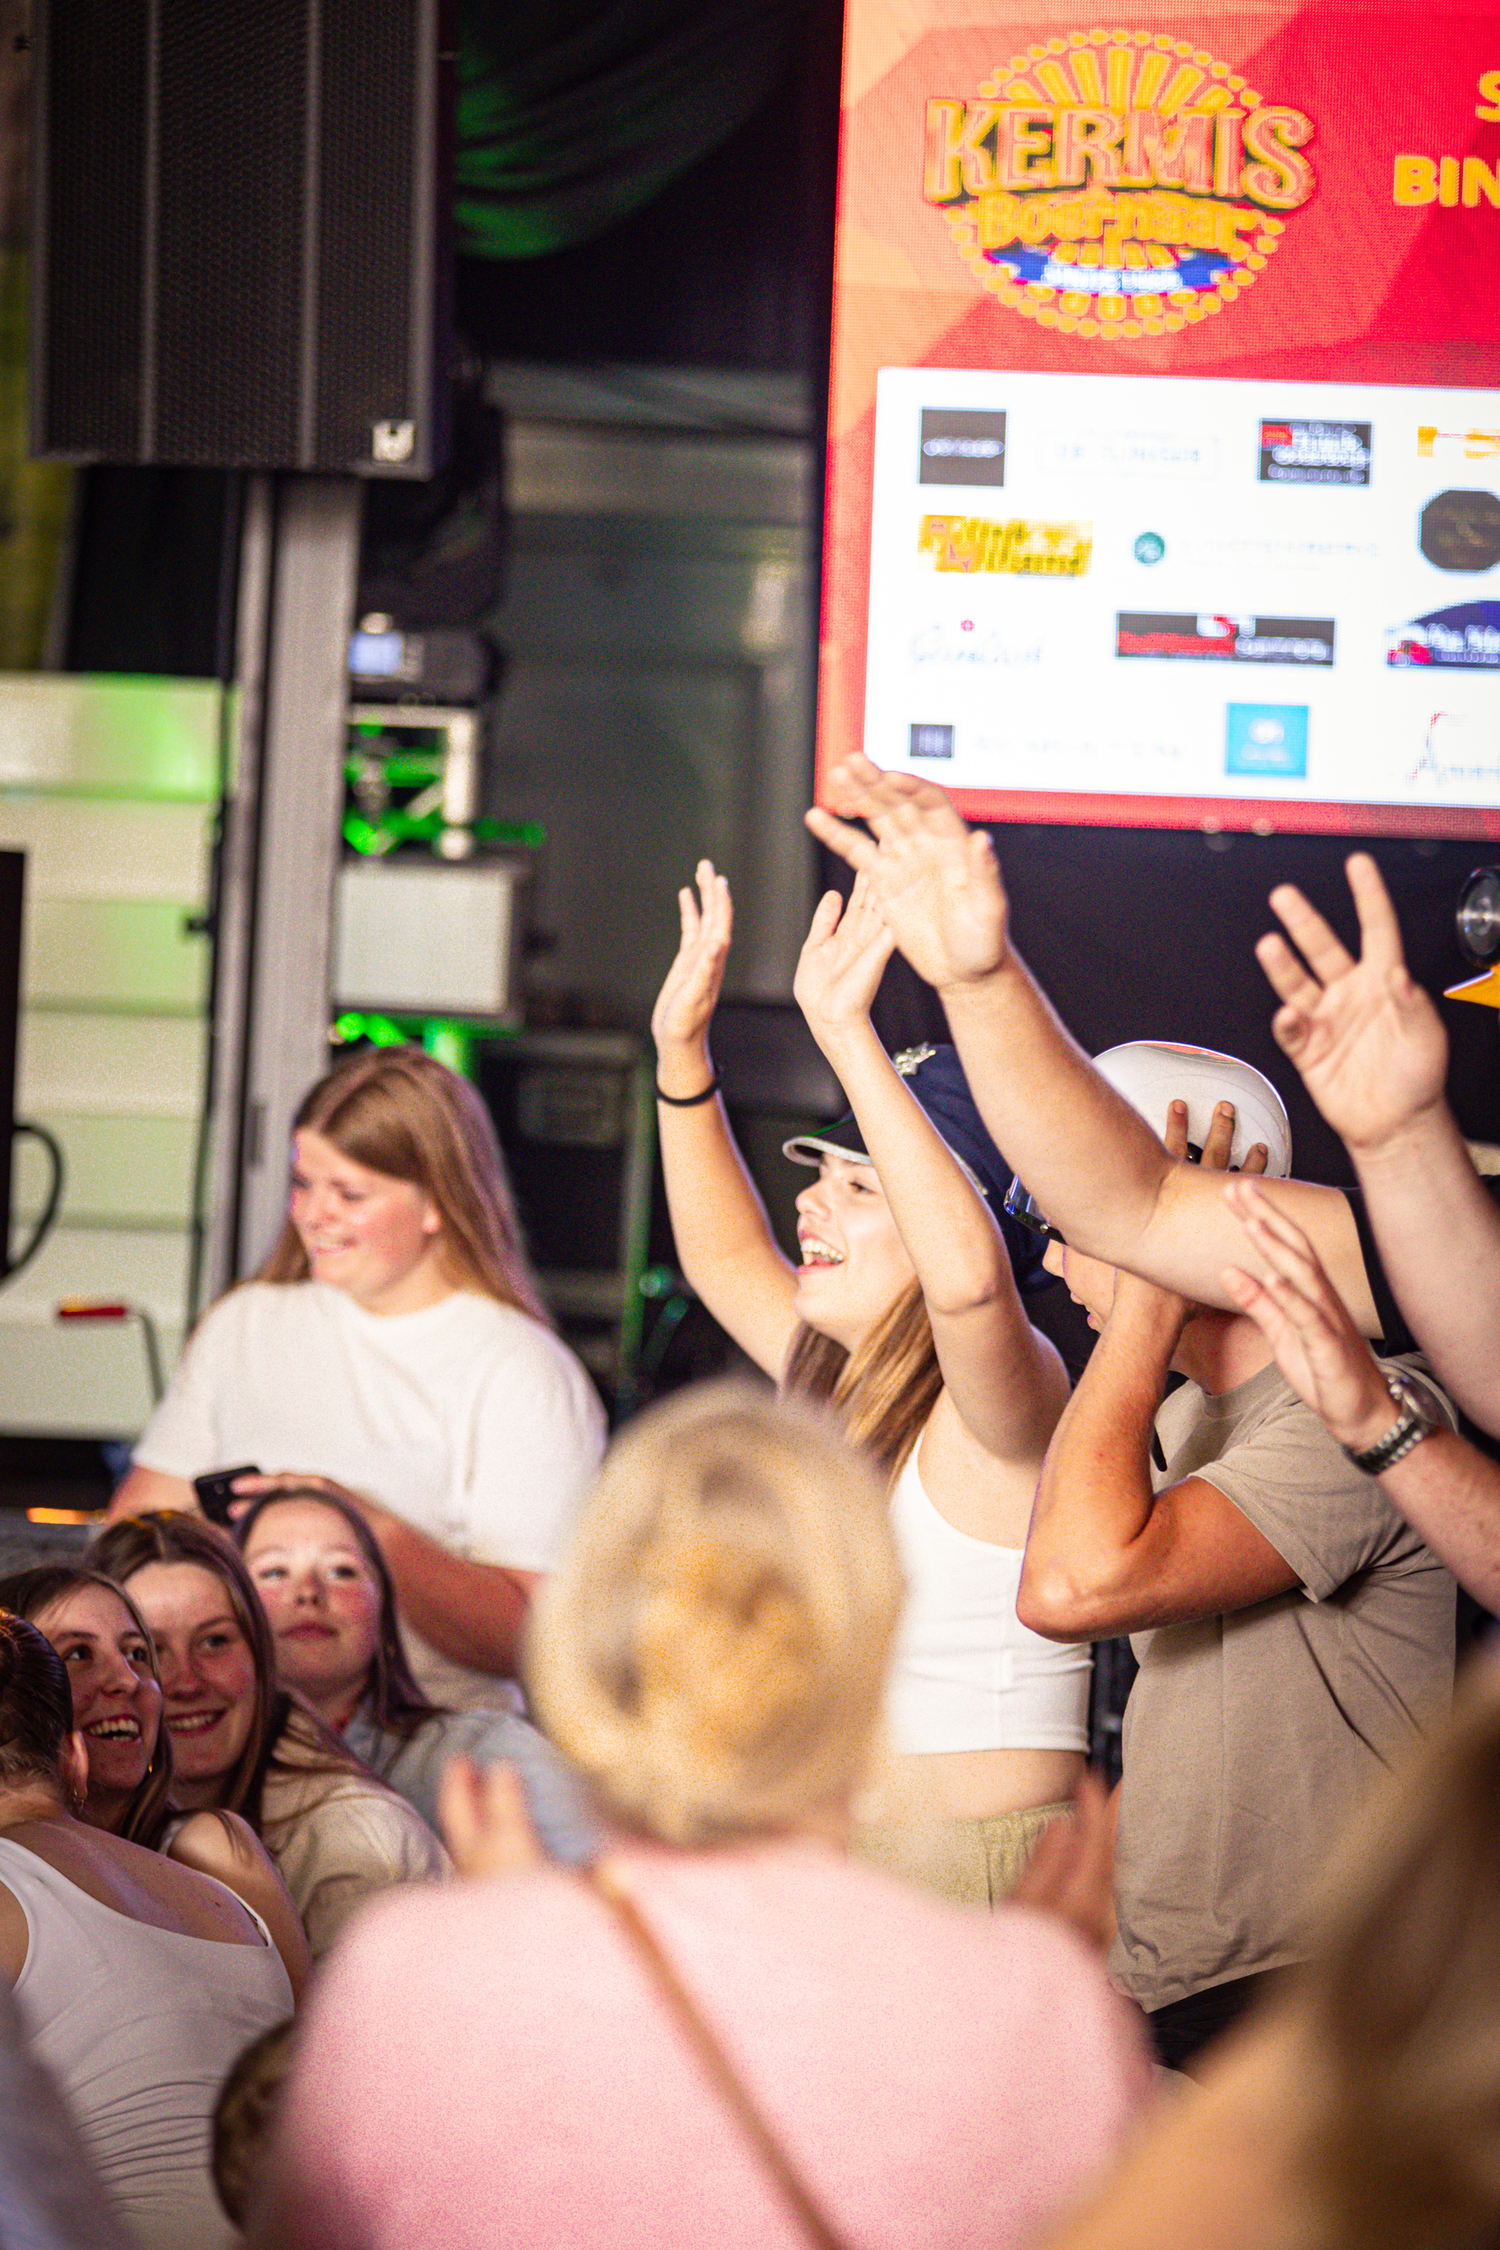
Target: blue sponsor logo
(1267, 738)
(1465, 638)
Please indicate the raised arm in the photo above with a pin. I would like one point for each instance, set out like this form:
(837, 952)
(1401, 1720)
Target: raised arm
(1106, 1553)
(723, 1236)
(1374, 1056)
(1006, 1382)
(1097, 1169)
(1446, 1488)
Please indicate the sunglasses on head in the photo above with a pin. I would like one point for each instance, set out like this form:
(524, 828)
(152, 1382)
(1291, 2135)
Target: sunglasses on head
(1022, 1206)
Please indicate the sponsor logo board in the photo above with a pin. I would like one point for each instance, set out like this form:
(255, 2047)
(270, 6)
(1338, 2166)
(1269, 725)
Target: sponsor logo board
(961, 446)
(1297, 452)
(1269, 739)
(1017, 547)
(1465, 638)
(1223, 639)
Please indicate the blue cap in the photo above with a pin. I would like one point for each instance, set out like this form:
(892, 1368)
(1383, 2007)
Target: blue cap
(936, 1077)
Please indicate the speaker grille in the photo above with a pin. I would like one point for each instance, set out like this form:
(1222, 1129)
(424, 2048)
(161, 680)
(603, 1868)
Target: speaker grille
(231, 128)
(91, 122)
(370, 71)
(236, 235)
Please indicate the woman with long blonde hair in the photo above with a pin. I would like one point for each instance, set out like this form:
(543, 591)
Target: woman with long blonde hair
(393, 1347)
(906, 1315)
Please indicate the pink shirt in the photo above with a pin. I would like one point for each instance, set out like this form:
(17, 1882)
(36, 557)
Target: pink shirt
(489, 2065)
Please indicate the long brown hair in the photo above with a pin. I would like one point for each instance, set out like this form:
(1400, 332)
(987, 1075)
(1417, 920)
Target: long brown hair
(399, 1111)
(885, 1390)
(391, 1696)
(284, 1731)
(28, 1593)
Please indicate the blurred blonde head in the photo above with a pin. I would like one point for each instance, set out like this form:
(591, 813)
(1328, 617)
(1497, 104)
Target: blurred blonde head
(713, 1650)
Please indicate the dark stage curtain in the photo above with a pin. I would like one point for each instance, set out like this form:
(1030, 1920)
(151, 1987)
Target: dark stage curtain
(573, 115)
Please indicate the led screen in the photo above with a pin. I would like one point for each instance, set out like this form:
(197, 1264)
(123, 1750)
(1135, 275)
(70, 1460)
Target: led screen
(1164, 464)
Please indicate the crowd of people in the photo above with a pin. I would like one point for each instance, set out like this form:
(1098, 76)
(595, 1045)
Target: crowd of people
(744, 1879)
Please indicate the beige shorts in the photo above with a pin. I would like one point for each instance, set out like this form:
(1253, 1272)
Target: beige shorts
(972, 1862)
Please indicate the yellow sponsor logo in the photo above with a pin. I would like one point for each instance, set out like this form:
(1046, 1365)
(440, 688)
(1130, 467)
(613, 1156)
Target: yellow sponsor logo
(1474, 445)
(1018, 547)
(1116, 183)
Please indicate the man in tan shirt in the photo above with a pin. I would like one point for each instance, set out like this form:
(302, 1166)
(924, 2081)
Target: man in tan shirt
(1295, 1634)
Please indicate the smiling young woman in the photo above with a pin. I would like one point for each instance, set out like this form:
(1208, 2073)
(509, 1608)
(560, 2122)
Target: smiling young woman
(110, 1659)
(394, 1346)
(243, 1744)
(331, 1606)
(136, 1981)
(905, 1314)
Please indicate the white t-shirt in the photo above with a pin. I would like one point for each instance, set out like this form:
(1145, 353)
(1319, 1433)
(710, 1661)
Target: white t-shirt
(467, 1419)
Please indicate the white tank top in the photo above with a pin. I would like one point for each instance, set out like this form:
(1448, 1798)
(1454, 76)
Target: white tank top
(139, 2027)
(967, 1674)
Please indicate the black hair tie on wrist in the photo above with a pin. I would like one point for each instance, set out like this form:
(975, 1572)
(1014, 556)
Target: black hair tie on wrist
(690, 1101)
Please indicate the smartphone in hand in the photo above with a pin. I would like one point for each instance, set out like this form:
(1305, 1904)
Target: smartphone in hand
(216, 1490)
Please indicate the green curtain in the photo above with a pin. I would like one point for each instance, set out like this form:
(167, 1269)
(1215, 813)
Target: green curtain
(572, 115)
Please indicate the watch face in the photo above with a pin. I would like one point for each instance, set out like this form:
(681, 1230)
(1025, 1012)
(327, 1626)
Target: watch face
(1414, 1397)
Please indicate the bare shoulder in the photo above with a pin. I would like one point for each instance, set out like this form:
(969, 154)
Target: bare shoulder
(219, 1844)
(971, 1488)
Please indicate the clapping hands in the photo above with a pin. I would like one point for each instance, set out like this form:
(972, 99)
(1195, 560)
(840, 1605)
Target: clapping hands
(936, 881)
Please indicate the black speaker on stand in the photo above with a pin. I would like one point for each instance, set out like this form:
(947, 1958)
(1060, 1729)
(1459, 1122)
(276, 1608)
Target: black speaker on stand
(240, 241)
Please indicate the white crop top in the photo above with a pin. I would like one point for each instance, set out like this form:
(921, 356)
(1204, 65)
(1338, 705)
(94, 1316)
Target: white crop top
(967, 1674)
(139, 2027)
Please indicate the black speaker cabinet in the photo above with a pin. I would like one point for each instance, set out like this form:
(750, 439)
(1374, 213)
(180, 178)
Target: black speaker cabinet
(241, 214)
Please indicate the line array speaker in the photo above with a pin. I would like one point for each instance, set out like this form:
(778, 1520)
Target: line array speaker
(240, 235)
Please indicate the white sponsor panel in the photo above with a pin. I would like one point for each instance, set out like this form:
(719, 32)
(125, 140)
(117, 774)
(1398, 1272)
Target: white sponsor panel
(995, 611)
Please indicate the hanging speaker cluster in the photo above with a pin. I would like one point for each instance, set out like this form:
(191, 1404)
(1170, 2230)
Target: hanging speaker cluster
(239, 254)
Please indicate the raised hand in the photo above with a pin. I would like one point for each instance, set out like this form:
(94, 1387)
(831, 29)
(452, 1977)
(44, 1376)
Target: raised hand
(1302, 1317)
(1147, 1300)
(685, 1004)
(1368, 1041)
(486, 1822)
(842, 962)
(936, 880)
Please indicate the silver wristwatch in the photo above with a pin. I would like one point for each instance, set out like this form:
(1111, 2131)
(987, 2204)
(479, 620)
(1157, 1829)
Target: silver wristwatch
(1416, 1418)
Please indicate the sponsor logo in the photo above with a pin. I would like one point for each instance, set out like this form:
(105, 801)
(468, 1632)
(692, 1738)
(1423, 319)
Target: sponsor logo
(1116, 182)
(1267, 738)
(1453, 753)
(1434, 444)
(1127, 453)
(1220, 552)
(984, 647)
(1235, 640)
(1463, 639)
(1149, 548)
(1020, 547)
(960, 447)
(1315, 452)
(931, 742)
(1461, 531)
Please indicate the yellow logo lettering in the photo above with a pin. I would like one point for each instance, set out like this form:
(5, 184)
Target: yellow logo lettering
(1416, 180)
